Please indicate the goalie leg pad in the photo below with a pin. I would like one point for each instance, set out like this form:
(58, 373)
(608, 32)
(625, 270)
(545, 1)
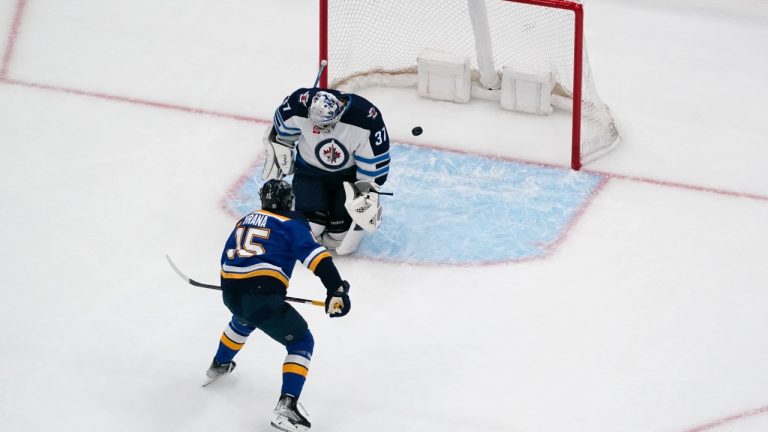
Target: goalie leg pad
(351, 240)
(333, 240)
(318, 224)
(317, 231)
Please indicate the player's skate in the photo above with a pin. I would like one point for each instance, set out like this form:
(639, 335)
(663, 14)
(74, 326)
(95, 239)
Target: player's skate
(288, 418)
(218, 370)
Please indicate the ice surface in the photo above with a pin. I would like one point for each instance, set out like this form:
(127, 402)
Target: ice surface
(127, 129)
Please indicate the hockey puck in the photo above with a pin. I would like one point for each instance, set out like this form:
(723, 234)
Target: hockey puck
(417, 131)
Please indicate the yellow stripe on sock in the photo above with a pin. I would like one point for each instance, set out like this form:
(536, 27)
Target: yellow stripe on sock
(295, 368)
(229, 343)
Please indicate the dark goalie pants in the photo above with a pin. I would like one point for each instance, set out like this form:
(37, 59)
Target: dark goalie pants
(320, 196)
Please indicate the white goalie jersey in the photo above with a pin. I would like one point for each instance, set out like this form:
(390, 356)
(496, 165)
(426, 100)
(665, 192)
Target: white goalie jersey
(359, 139)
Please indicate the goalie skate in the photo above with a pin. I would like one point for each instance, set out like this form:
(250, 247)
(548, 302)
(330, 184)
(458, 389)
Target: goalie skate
(288, 418)
(216, 371)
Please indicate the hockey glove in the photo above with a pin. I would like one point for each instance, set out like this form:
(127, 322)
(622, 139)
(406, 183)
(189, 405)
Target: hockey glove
(362, 204)
(337, 302)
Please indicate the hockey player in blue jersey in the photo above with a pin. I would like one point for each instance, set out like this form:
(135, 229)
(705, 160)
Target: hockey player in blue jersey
(256, 266)
(337, 148)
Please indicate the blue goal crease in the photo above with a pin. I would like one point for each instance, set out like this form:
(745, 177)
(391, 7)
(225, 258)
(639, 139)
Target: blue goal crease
(458, 208)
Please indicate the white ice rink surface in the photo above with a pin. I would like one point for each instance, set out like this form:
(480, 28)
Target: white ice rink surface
(123, 125)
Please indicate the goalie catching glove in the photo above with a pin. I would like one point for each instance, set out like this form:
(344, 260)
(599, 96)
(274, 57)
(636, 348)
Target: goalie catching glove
(337, 302)
(278, 161)
(362, 204)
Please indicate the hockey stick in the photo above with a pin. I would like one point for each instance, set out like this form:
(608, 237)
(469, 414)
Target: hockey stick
(216, 287)
(320, 71)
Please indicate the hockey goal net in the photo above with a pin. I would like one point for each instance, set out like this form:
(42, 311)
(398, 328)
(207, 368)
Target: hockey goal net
(376, 43)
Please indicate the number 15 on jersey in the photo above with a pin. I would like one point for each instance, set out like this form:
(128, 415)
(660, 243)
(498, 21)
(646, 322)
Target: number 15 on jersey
(248, 242)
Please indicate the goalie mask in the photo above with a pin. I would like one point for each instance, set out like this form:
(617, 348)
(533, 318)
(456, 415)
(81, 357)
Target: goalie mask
(325, 111)
(276, 195)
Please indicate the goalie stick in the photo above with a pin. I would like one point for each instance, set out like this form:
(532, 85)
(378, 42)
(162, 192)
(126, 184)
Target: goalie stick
(216, 287)
(323, 62)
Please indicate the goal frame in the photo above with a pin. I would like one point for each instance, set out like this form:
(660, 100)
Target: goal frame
(578, 49)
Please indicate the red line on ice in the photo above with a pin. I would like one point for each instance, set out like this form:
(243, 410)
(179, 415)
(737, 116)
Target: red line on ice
(258, 120)
(730, 419)
(10, 43)
(678, 185)
(136, 101)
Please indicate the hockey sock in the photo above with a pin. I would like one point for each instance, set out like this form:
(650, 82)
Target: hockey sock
(232, 340)
(296, 365)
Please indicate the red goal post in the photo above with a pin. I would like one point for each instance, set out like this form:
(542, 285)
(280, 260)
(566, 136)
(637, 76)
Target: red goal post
(372, 43)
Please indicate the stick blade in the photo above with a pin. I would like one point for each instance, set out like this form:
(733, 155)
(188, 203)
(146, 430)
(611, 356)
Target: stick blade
(176, 269)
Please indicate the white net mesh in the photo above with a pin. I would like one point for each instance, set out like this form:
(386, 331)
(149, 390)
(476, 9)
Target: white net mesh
(375, 43)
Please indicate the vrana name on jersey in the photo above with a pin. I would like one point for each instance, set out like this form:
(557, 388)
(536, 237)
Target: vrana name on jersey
(256, 219)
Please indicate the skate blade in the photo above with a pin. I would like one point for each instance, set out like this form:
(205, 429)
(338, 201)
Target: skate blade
(281, 423)
(209, 380)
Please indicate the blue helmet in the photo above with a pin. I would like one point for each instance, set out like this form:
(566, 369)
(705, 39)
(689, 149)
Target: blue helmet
(276, 195)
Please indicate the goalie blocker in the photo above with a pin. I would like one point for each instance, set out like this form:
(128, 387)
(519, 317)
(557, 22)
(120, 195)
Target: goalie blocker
(278, 159)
